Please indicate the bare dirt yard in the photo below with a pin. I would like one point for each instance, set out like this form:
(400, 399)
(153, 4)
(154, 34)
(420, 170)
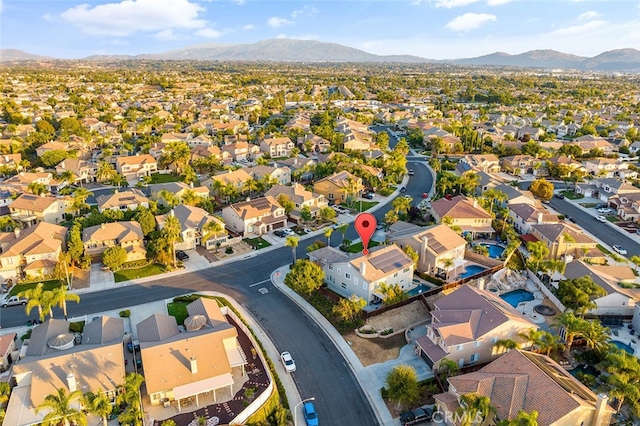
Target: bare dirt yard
(373, 351)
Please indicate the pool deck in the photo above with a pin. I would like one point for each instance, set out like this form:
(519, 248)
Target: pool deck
(625, 337)
(504, 283)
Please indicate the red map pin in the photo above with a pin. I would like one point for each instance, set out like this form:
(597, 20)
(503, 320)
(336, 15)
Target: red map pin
(365, 226)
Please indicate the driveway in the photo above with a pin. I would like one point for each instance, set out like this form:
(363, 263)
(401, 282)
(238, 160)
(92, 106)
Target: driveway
(99, 278)
(196, 261)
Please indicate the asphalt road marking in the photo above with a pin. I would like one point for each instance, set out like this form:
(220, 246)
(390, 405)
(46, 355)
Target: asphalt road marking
(263, 290)
(261, 282)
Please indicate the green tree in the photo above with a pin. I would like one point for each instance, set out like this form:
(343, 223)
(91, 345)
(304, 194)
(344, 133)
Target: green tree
(171, 232)
(55, 156)
(538, 252)
(382, 140)
(61, 296)
(522, 419)
(542, 189)
(401, 205)
(390, 217)
(413, 255)
(63, 409)
(292, 242)
(305, 214)
(146, 219)
(105, 171)
(572, 326)
(286, 203)
(212, 229)
(505, 345)
(595, 335)
(343, 230)
(577, 294)
(549, 342)
(623, 376)
(305, 277)
(169, 198)
(472, 405)
(349, 309)
(327, 233)
(402, 385)
(38, 298)
(327, 213)
(114, 257)
(130, 396)
(78, 200)
(37, 188)
(98, 403)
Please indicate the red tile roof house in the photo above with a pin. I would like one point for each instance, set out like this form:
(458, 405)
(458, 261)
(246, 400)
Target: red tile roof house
(254, 217)
(526, 381)
(466, 324)
(464, 212)
(136, 166)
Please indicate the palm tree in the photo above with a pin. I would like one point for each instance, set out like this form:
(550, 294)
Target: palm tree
(190, 198)
(169, 198)
(343, 229)
(118, 180)
(549, 342)
(471, 405)
(250, 185)
(37, 297)
(212, 229)
(37, 188)
(67, 176)
(79, 199)
(448, 367)
(130, 396)
(98, 404)
(447, 264)
(522, 419)
(327, 233)
(595, 335)
(531, 336)
(506, 345)
(401, 204)
(572, 326)
(636, 261)
(292, 242)
(171, 231)
(105, 171)
(61, 296)
(60, 409)
(566, 240)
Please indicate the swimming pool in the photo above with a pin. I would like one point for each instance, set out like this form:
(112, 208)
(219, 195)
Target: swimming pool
(624, 346)
(421, 288)
(472, 270)
(515, 297)
(495, 251)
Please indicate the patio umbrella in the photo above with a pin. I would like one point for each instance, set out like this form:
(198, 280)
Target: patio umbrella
(195, 322)
(62, 341)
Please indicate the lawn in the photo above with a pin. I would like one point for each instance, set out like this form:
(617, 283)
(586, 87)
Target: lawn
(158, 178)
(613, 219)
(145, 271)
(603, 249)
(257, 243)
(48, 285)
(572, 195)
(178, 310)
(357, 247)
(361, 206)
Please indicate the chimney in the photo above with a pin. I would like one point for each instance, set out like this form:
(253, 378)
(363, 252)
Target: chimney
(363, 268)
(191, 184)
(16, 231)
(194, 365)
(475, 203)
(540, 214)
(601, 408)
(71, 382)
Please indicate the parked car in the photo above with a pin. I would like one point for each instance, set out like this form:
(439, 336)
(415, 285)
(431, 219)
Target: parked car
(13, 301)
(605, 210)
(419, 415)
(601, 206)
(403, 189)
(338, 225)
(560, 196)
(411, 172)
(425, 195)
(619, 249)
(279, 233)
(310, 414)
(182, 255)
(288, 362)
(601, 218)
(288, 232)
(368, 195)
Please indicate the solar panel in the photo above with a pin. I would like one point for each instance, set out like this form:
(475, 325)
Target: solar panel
(387, 262)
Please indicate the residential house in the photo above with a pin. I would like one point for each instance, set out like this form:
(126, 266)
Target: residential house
(11, 161)
(516, 196)
(621, 297)
(301, 198)
(51, 146)
(242, 151)
(364, 275)
(32, 252)
(520, 164)
(605, 189)
(158, 149)
(279, 175)
(527, 381)
(8, 351)
(201, 359)
(609, 168)
(590, 142)
(257, 216)
(235, 179)
(339, 186)
(529, 133)
(523, 215)
(136, 166)
(129, 199)
(434, 245)
(54, 358)
(205, 152)
(563, 239)
(301, 168)
(464, 212)
(627, 206)
(488, 163)
(192, 223)
(465, 326)
(128, 235)
(20, 182)
(82, 170)
(30, 209)
(178, 189)
(277, 147)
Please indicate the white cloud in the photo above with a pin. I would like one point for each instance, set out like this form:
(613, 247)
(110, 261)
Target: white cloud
(166, 35)
(248, 27)
(131, 16)
(299, 37)
(579, 29)
(305, 11)
(209, 33)
(469, 21)
(419, 2)
(587, 16)
(275, 22)
(497, 2)
(449, 4)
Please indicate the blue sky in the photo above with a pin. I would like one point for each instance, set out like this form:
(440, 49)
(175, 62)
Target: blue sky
(436, 29)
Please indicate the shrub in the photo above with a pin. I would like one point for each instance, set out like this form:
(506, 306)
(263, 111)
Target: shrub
(386, 332)
(228, 250)
(26, 335)
(430, 278)
(125, 314)
(76, 327)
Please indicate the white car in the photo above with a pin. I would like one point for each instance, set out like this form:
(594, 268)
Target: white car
(338, 225)
(288, 231)
(600, 218)
(288, 362)
(605, 210)
(619, 249)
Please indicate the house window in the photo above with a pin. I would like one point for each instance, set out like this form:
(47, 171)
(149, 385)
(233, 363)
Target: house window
(405, 270)
(395, 275)
(459, 348)
(347, 275)
(338, 271)
(474, 357)
(344, 285)
(331, 267)
(331, 279)
(477, 343)
(494, 340)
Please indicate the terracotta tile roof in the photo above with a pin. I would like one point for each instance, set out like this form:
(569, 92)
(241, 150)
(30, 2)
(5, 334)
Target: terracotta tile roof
(121, 198)
(556, 231)
(119, 231)
(459, 207)
(39, 239)
(136, 159)
(32, 202)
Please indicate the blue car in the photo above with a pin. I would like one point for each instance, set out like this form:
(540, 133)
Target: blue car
(310, 415)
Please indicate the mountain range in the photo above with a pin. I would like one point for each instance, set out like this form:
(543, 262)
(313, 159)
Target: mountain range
(289, 50)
